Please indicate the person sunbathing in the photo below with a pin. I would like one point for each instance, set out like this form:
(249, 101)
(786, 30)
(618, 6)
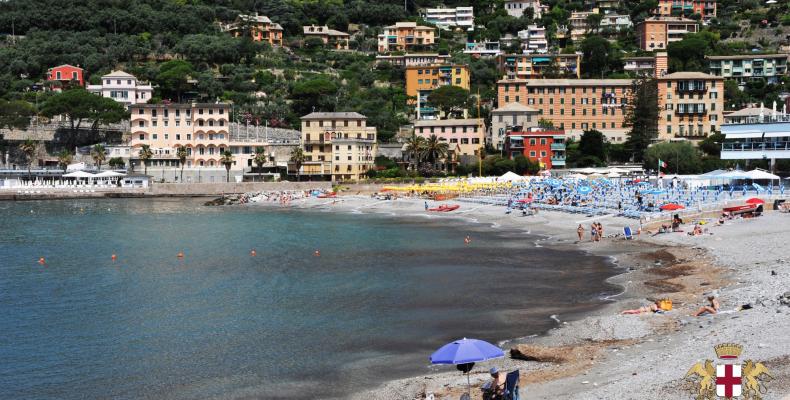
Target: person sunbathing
(712, 308)
(495, 388)
(644, 309)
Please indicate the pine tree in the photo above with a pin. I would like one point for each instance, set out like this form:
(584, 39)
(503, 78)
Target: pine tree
(642, 116)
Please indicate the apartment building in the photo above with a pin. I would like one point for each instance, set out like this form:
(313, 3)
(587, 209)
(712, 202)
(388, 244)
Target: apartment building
(465, 137)
(604, 6)
(533, 40)
(573, 105)
(259, 27)
(338, 146)
(526, 66)
(414, 59)
(483, 49)
(335, 39)
(655, 33)
(406, 36)
(616, 23)
(517, 8)
(123, 88)
(579, 25)
(446, 18)
(511, 116)
(743, 68)
(705, 8)
(544, 146)
(647, 66)
(691, 105)
(422, 80)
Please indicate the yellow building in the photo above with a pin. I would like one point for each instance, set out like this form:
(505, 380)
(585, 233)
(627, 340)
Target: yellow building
(406, 36)
(422, 80)
(691, 105)
(337, 146)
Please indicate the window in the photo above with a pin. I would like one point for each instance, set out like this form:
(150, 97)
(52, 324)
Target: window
(464, 141)
(532, 142)
(178, 123)
(543, 154)
(153, 136)
(167, 136)
(532, 154)
(189, 136)
(153, 123)
(542, 140)
(142, 136)
(475, 140)
(141, 124)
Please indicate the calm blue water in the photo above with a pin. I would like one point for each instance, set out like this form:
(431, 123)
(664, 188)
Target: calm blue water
(221, 324)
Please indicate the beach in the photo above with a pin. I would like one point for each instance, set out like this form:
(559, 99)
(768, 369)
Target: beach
(607, 355)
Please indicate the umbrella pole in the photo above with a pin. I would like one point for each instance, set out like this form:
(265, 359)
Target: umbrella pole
(468, 386)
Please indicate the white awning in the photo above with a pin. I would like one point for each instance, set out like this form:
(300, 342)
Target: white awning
(744, 135)
(777, 134)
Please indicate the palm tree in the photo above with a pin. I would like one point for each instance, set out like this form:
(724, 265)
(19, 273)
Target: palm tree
(64, 159)
(297, 157)
(260, 158)
(28, 148)
(181, 153)
(435, 150)
(98, 155)
(226, 159)
(414, 147)
(145, 155)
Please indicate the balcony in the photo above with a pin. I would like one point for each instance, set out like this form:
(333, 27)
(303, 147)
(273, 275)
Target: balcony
(689, 109)
(755, 150)
(557, 146)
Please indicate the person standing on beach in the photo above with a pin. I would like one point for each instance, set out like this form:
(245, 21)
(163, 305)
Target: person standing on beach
(426, 206)
(600, 231)
(580, 232)
(593, 232)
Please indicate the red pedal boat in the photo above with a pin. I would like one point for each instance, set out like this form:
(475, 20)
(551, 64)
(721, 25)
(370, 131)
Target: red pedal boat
(445, 208)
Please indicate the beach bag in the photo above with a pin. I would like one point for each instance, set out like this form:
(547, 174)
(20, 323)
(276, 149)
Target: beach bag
(665, 304)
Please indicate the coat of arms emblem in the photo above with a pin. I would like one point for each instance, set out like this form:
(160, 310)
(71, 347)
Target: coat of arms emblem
(729, 380)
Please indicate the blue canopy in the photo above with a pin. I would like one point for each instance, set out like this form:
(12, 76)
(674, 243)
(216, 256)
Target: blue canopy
(584, 190)
(466, 351)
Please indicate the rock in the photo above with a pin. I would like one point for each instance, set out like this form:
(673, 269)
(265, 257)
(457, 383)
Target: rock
(540, 354)
(585, 382)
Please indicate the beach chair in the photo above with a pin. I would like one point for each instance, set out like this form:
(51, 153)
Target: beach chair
(627, 233)
(511, 386)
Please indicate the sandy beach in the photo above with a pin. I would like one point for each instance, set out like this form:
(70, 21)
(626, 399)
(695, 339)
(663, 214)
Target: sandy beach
(606, 355)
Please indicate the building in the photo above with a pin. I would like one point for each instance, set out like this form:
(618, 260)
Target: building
(691, 105)
(615, 23)
(65, 75)
(509, 117)
(406, 36)
(604, 6)
(546, 147)
(533, 40)
(446, 18)
(685, 8)
(757, 140)
(743, 68)
(338, 146)
(579, 25)
(751, 115)
(410, 60)
(422, 80)
(483, 49)
(123, 88)
(573, 105)
(517, 8)
(647, 66)
(335, 39)
(655, 33)
(465, 137)
(526, 66)
(259, 27)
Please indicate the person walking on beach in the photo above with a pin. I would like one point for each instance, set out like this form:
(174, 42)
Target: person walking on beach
(580, 232)
(593, 233)
(600, 231)
(426, 206)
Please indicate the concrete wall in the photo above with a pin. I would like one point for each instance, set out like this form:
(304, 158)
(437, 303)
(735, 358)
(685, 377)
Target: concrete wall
(198, 189)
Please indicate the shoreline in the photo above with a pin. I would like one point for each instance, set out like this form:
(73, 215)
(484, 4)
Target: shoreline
(649, 267)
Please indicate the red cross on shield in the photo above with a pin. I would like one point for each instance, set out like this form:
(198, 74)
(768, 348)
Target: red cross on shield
(728, 380)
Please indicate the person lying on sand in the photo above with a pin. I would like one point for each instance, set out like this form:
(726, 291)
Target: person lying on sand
(713, 308)
(644, 309)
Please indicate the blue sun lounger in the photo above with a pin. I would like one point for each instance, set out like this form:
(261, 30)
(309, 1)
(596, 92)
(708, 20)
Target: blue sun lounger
(627, 233)
(511, 386)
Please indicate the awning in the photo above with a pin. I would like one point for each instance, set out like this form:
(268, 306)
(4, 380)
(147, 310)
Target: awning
(540, 59)
(777, 134)
(743, 135)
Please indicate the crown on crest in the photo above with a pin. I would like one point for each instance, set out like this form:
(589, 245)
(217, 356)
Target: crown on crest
(728, 350)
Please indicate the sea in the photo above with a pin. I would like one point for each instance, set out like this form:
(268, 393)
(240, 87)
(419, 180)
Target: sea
(380, 296)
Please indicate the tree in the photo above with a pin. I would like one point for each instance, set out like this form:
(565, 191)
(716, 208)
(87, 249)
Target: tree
(260, 158)
(145, 155)
(592, 143)
(689, 54)
(545, 124)
(318, 93)
(79, 106)
(642, 116)
(64, 159)
(116, 163)
(711, 145)
(173, 78)
(297, 157)
(434, 150)
(414, 147)
(599, 57)
(594, 21)
(449, 99)
(181, 153)
(28, 148)
(681, 157)
(98, 154)
(226, 159)
(15, 114)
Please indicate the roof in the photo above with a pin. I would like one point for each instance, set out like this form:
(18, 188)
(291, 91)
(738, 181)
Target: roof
(689, 75)
(746, 57)
(64, 65)
(256, 18)
(541, 55)
(181, 105)
(334, 115)
(323, 30)
(752, 111)
(648, 58)
(515, 107)
(438, 66)
(447, 122)
(119, 74)
(569, 82)
(667, 20)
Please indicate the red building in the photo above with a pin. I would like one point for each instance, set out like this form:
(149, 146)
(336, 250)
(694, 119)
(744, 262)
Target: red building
(547, 147)
(66, 74)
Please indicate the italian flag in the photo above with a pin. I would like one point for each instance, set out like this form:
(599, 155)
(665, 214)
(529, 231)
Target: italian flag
(661, 164)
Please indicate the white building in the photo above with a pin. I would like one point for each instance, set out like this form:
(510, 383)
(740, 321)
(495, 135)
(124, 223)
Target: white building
(123, 88)
(510, 116)
(533, 39)
(615, 22)
(517, 8)
(461, 17)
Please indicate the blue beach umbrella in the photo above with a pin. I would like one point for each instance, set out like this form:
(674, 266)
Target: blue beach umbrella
(464, 353)
(584, 190)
